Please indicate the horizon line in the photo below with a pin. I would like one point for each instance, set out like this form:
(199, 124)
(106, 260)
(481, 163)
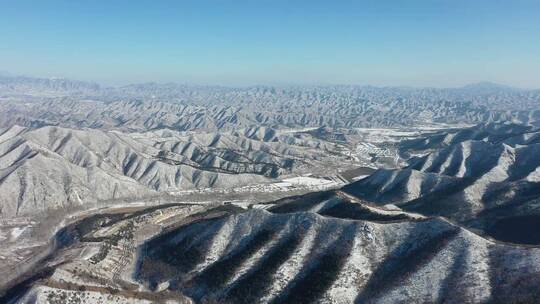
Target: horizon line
(104, 85)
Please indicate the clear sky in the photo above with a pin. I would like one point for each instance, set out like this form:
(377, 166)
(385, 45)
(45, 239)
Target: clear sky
(379, 42)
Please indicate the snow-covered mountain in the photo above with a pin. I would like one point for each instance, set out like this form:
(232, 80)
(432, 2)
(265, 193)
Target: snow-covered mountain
(337, 250)
(95, 181)
(54, 168)
(484, 183)
(37, 102)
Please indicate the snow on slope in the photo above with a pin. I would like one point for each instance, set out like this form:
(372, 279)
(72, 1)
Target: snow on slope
(258, 256)
(53, 167)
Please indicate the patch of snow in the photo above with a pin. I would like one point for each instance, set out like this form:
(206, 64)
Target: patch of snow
(308, 181)
(16, 232)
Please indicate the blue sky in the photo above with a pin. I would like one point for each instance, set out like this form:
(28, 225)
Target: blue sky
(408, 42)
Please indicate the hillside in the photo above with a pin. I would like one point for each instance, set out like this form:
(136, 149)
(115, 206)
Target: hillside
(53, 167)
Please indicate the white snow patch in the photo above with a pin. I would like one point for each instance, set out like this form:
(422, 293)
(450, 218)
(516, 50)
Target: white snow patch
(17, 231)
(308, 181)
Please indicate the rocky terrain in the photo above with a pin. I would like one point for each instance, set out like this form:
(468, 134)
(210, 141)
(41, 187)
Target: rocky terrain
(453, 226)
(334, 194)
(53, 167)
(485, 177)
(323, 248)
(36, 102)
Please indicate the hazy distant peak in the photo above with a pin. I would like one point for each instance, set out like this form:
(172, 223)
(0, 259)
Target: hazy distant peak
(486, 85)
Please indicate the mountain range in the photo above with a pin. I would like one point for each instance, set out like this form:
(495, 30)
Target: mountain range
(145, 107)
(455, 225)
(319, 194)
(50, 167)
